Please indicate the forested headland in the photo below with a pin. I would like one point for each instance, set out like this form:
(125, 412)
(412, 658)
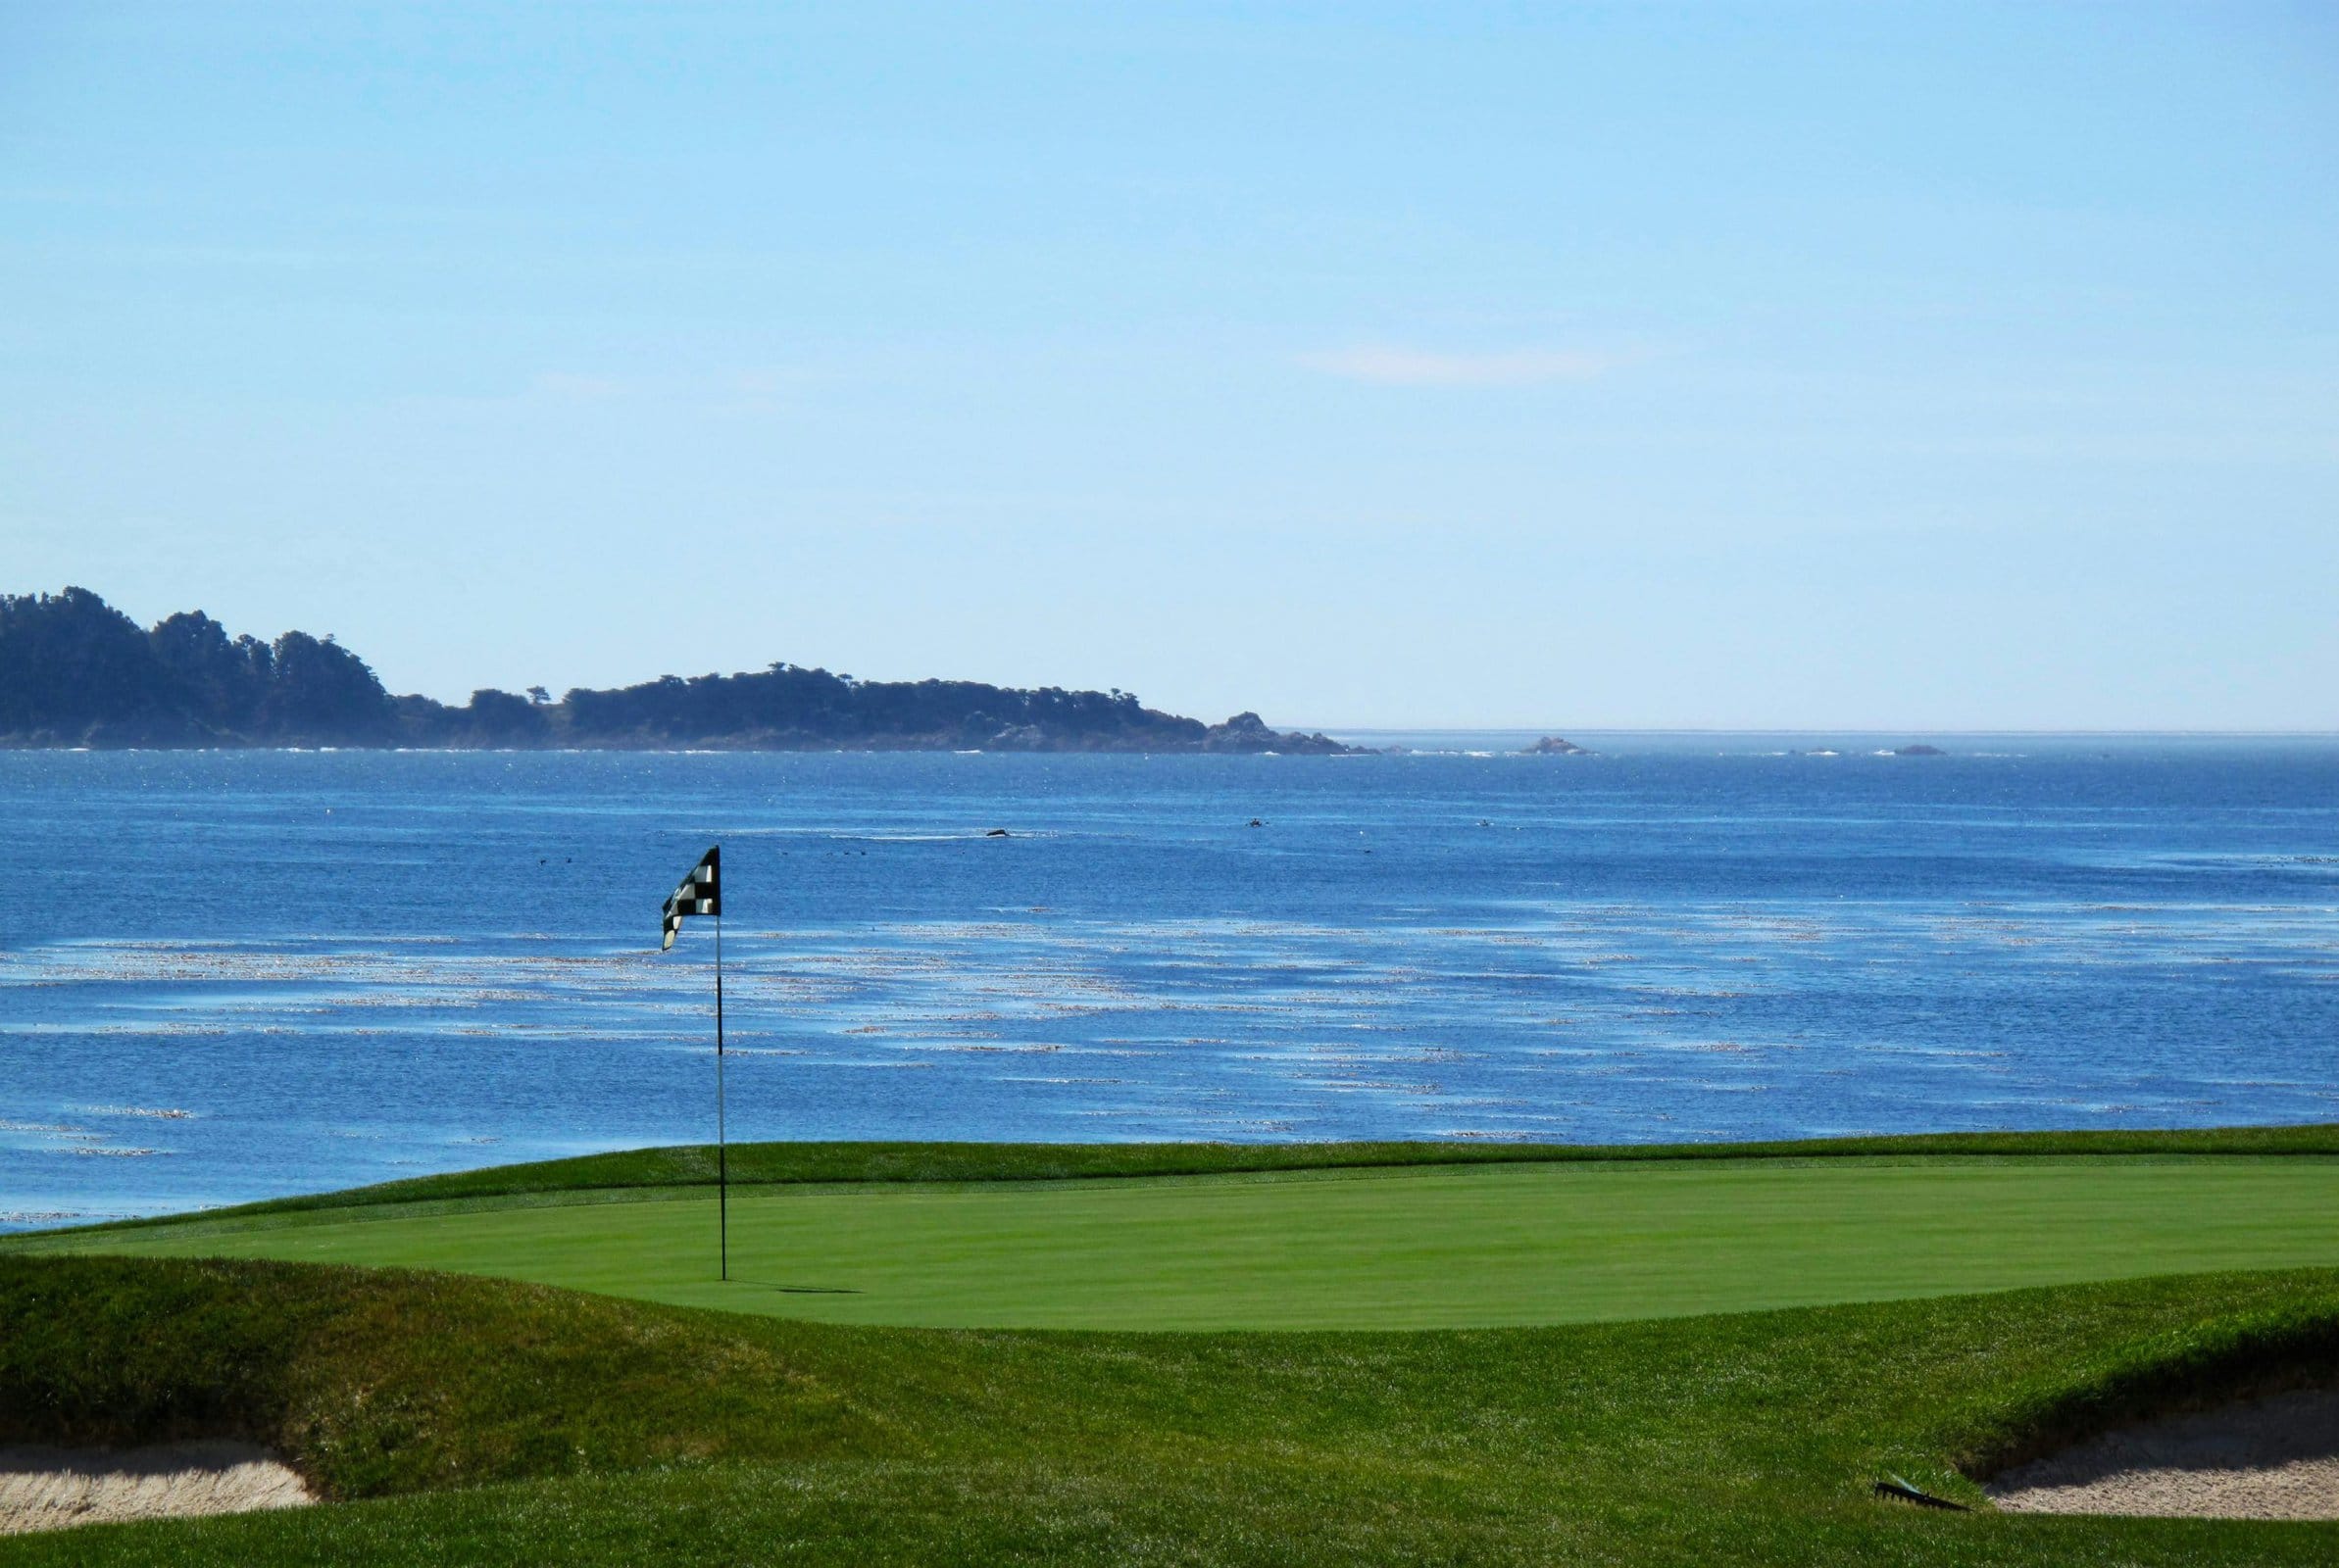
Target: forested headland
(76, 672)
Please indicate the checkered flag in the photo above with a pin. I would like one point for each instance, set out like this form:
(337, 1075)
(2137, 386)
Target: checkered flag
(701, 893)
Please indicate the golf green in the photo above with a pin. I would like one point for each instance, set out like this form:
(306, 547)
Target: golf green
(1422, 1247)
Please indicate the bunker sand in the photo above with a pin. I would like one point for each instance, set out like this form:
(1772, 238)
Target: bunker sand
(2270, 1458)
(51, 1489)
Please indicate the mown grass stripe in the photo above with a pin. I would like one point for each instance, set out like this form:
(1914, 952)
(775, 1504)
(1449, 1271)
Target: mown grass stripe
(817, 1163)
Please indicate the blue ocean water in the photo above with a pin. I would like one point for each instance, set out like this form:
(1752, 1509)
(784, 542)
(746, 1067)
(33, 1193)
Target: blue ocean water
(230, 975)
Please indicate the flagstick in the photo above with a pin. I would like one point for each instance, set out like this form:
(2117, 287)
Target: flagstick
(723, 1179)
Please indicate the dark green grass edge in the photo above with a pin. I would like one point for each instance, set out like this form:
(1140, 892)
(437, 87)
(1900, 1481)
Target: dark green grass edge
(2196, 1366)
(773, 1164)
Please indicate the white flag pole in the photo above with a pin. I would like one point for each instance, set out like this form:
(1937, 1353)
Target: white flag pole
(723, 1179)
(692, 897)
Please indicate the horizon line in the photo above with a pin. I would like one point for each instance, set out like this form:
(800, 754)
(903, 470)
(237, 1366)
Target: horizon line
(1798, 729)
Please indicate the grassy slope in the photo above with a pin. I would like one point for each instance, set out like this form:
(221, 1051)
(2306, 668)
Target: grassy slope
(1404, 1248)
(614, 1431)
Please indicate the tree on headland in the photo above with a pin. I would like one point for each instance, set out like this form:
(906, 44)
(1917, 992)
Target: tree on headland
(222, 680)
(499, 718)
(76, 672)
(322, 691)
(69, 663)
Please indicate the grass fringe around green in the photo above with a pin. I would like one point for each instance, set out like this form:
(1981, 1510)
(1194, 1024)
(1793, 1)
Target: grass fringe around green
(814, 1163)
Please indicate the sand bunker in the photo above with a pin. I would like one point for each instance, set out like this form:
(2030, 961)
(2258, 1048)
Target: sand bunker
(2270, 1458)
(48, 1488)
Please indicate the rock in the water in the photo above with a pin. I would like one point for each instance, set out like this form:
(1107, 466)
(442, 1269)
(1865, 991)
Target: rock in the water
(1920, 748)
(1554, 746)
(1248, 732)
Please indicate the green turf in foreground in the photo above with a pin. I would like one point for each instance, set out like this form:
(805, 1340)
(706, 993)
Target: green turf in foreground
(1402, 1248)
(580, 1429)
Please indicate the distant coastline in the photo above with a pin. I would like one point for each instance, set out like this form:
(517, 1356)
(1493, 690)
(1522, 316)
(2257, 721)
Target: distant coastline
(78, 674)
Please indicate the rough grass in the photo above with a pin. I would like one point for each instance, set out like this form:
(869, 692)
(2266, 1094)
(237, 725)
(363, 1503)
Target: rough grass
(483, 1420)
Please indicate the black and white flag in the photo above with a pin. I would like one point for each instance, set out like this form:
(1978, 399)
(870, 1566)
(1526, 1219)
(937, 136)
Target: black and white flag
(701, 893)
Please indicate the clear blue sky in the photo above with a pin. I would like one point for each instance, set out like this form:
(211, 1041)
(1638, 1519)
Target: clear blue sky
(1923, 366)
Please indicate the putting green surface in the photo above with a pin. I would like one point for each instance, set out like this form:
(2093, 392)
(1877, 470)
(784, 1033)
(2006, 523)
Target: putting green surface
(1422, 1247)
